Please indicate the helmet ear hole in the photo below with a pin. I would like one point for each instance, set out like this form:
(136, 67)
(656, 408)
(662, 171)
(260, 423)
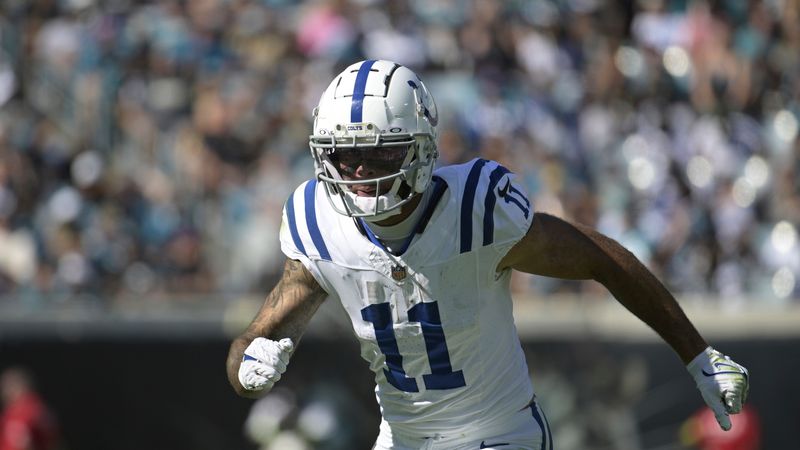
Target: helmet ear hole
(404, 190)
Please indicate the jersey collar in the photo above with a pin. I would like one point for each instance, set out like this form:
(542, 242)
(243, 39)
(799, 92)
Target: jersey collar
(439, 187)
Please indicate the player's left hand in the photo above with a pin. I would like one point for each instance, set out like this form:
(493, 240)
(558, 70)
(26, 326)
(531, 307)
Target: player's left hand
(722, 382)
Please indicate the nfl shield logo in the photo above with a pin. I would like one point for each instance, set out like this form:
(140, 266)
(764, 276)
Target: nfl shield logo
(398, 273)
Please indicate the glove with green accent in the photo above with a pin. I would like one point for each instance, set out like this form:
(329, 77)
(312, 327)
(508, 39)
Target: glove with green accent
(723, 383)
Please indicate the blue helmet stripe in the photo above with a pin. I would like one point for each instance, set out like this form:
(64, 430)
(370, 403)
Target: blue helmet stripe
(311, 220)
(293, 225)
(356, 114)
(468, 203)
(489, 202)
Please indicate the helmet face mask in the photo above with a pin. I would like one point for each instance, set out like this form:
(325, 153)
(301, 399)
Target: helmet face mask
(374, 141)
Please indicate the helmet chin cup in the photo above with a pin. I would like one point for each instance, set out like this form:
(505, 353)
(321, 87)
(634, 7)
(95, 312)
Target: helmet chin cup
(375, 104)
(385, 203)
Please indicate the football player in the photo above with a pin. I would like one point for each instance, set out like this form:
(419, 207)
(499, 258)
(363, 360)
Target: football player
(421, 261)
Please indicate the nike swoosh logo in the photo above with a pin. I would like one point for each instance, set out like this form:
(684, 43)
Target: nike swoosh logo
(485, 445)
(720, 365)
(504, 190)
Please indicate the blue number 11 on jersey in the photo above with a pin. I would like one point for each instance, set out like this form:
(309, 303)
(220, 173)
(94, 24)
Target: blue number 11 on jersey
(427, 315)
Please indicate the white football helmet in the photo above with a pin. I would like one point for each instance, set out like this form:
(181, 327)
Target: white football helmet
(375, 113)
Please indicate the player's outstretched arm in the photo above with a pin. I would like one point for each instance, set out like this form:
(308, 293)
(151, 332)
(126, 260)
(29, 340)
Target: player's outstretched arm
(556, 248)
(259, 356)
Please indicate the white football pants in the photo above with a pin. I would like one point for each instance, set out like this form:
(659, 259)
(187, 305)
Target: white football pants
(526, 430)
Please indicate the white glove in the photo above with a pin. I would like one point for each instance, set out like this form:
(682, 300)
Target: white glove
(723, 383)
(263, 363)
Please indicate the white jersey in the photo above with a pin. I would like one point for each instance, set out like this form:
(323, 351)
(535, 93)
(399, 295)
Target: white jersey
(434, 322)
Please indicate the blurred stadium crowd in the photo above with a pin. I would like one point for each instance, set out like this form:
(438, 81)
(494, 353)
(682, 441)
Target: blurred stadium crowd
(147, 148)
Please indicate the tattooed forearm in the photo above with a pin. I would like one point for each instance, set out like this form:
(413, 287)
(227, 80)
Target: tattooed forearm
(296, 289)
(285, 313)
(289, 306)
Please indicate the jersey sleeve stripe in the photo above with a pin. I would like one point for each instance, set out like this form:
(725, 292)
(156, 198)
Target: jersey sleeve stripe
(356, 113)
(468, 203)
(525, 211)
(293, 225)
(489, 202)
(311, 220)
(514, 190)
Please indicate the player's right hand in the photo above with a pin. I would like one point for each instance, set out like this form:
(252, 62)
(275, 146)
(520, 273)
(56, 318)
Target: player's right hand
(263, 363)
(723, 384)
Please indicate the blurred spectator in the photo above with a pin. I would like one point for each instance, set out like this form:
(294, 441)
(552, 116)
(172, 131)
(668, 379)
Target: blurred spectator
(324, 418)
(25, 422)
(702, 432)
(595, 407)
(143, 145)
